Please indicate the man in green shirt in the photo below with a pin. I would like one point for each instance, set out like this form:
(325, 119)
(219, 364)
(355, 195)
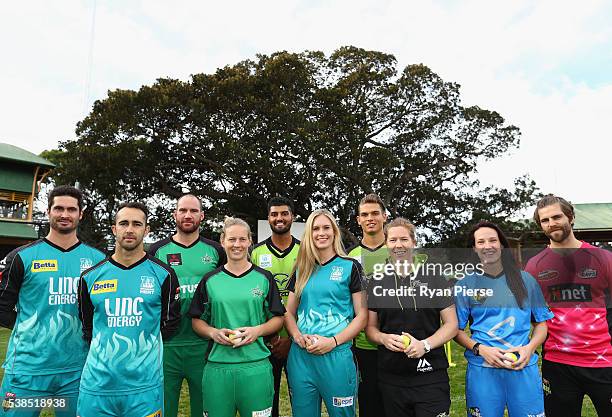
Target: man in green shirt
(371, 216)
(277, 254)
(191, 256)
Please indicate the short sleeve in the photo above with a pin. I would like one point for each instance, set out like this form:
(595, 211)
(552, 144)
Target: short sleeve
(200, 306)
(539, 309)
(291, 283)
(357, 278)
(274, 303)
(462, 304)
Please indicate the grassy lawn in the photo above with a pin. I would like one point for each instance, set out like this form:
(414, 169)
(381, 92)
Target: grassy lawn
(457, 377)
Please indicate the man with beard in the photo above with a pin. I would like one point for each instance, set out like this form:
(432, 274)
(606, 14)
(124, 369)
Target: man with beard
(371, 217)
(191, 256)
(277, 254)
(127, 304)
(576, 279)
(38, 300)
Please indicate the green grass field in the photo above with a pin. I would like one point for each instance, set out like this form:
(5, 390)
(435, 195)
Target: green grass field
(456, 373)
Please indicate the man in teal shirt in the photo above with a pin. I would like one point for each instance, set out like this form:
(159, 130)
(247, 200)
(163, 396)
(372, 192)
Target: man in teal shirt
(38, 300)
(127, 304)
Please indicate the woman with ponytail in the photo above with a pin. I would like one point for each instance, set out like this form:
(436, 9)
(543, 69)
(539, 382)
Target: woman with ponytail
(500, 304)
(325, 311)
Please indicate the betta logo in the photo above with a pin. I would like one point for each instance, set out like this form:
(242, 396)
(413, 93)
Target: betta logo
(46, 265)
(570, 292)
(104, 286)
(548, 275)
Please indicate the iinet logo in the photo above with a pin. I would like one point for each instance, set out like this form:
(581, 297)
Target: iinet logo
(424, 366)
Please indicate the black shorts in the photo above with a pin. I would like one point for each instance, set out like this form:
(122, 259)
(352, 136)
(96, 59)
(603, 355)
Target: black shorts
(431, 400)
(565, 387)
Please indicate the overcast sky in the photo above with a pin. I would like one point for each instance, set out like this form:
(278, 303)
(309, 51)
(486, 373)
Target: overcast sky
(546, 66)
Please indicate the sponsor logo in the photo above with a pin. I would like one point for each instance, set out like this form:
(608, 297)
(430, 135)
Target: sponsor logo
(123, 312)
(174, 259)
(147, 285)
(63, 290)
(548, 274)
(343, 401)
(206, 259)
(336, 273)
(570, 292)
(9, 401)
(262, 413)
(588, 273)
(86, 263)
(158, 413)
(537, 415)
(475, 412)
(44, 265)
(100, 287)
(424, 366)
(188, 288)
(257, 292)
(265, 260)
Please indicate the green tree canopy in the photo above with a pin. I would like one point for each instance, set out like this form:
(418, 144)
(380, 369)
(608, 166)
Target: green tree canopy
(322, 130)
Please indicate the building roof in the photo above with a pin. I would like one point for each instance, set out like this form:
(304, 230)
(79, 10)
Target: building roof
(593, 216)
(17, 230)
(16, 154)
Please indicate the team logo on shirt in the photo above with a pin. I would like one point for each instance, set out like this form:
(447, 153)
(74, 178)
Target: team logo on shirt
(548, 274)
(281, 282)
(588, 273)
(100, 287)
(475, 412)
(343, 401)
(147, 285)
(158, 413)
(257, 292)
(570, 292)
(45, 265)
(336, 273)
(206, 259)
(424, 366)
(86, 263)
(174, 259)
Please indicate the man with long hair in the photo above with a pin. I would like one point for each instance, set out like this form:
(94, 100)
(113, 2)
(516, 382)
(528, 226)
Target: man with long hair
(576, 279)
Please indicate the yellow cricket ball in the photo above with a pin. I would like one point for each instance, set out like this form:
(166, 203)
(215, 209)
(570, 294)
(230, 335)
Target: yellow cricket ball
(511, 356)
(406, 341)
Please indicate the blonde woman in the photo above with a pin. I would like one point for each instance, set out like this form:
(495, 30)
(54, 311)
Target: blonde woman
(235, 306)
(325, 311)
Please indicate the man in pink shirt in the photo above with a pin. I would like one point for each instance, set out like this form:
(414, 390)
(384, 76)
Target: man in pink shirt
(576, 280)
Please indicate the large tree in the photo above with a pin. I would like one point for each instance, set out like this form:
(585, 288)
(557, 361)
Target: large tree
(322, 130)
